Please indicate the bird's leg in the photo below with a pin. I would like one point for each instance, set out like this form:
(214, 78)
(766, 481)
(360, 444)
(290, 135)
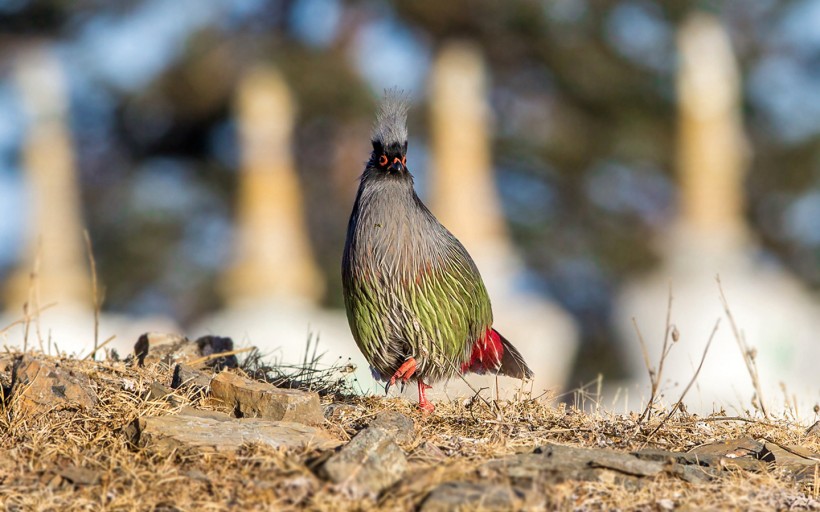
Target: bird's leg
(424, 405)
(405, 371)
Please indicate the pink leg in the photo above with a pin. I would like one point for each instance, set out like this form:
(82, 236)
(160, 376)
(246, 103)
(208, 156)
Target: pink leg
(424, 405)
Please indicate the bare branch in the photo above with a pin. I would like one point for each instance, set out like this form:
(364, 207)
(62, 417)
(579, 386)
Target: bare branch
(747, 353)
(691, 382)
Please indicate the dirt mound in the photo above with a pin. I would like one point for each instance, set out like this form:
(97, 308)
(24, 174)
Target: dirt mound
(117, 435)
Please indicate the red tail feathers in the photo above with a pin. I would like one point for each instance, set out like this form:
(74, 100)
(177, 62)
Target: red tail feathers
(492, 352)
(486, 355)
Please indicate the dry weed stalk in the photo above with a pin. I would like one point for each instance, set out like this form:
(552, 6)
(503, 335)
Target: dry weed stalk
(23, 319)
(309, 375)
(476, 392)
(655, 376)
(749, 354)
(101, 345)
(196, 362)
(694, 378)
(96, 297)
(580, 394)
(33, 301)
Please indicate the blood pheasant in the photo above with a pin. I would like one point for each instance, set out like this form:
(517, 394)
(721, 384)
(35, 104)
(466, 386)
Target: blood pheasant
(415, 300)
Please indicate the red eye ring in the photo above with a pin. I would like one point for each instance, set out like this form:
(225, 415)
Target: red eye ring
(404, 160)
(383, 160)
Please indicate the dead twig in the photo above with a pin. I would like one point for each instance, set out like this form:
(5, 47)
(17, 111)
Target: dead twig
(804, 455)
(477, 393)
(96, 297)
(731, 418)
(655, 376)
(749, 354)
(217, 355)
(103, 344)
(689, 385)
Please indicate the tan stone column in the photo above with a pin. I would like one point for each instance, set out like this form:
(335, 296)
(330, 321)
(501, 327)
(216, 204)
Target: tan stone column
(465, 199)
(54, 214)
(711, 147)
(273, 253)
(463, 192)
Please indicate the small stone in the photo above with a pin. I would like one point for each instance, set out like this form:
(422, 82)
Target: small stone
(7, 362)
(731, 448)
(556, 463)
(786, 455)
(190, 379)
(743, 453)
(261, 400)
(157, 391)
(54, 482)
(129, 384)
(428, 452)
(464, 496)
(80, 476)
(401, 426)
(196, 474)
(210, 345)
(665, 504)
(153, 347)
(216, 432)
(368, 464)
(338, 412)
(39, 387)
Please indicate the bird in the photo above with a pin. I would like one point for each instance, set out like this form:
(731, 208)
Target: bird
(415, 300)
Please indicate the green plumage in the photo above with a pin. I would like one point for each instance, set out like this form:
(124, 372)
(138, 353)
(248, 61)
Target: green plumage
(417, 296)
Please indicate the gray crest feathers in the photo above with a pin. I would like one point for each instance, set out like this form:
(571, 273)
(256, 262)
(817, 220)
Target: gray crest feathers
(391, 120)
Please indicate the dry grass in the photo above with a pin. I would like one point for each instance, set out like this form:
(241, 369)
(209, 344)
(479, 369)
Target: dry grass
(38, 457)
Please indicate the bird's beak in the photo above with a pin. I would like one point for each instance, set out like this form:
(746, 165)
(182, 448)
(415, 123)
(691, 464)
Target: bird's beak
(397, 165)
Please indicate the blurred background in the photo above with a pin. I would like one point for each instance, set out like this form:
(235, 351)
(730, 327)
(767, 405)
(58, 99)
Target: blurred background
(604, 149)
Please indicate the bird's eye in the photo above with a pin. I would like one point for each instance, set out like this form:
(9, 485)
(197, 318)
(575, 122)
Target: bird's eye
(383, 160)
(404, 160)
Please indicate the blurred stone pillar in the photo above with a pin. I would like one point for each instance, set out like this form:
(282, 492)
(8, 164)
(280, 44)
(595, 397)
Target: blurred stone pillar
(55, 228)
(710, 237)
(273, 253)
(711, 155)
(465, 199)
(463, 192)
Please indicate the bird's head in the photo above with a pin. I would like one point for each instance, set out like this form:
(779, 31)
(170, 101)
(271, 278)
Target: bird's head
(390, 134)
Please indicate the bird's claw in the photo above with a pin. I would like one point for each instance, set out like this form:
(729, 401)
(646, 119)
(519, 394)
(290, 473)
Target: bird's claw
(405, 371)
(392, 382)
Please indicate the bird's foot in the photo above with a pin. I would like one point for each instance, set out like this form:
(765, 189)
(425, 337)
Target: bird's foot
(425, 405)
(405, 371)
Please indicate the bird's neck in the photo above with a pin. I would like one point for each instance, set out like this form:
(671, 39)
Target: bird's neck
(389, 197)
(390, 226)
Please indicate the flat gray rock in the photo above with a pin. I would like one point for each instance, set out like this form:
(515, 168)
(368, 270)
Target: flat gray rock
(208, 431)
(368, 464)
(464, 496)
(557, 463)
(252, 399)
(190, 379)
(153, 347)
(42, 386)
(812, 432)
(396, 423)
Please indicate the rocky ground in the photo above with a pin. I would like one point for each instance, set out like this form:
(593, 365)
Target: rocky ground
(185, 426)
